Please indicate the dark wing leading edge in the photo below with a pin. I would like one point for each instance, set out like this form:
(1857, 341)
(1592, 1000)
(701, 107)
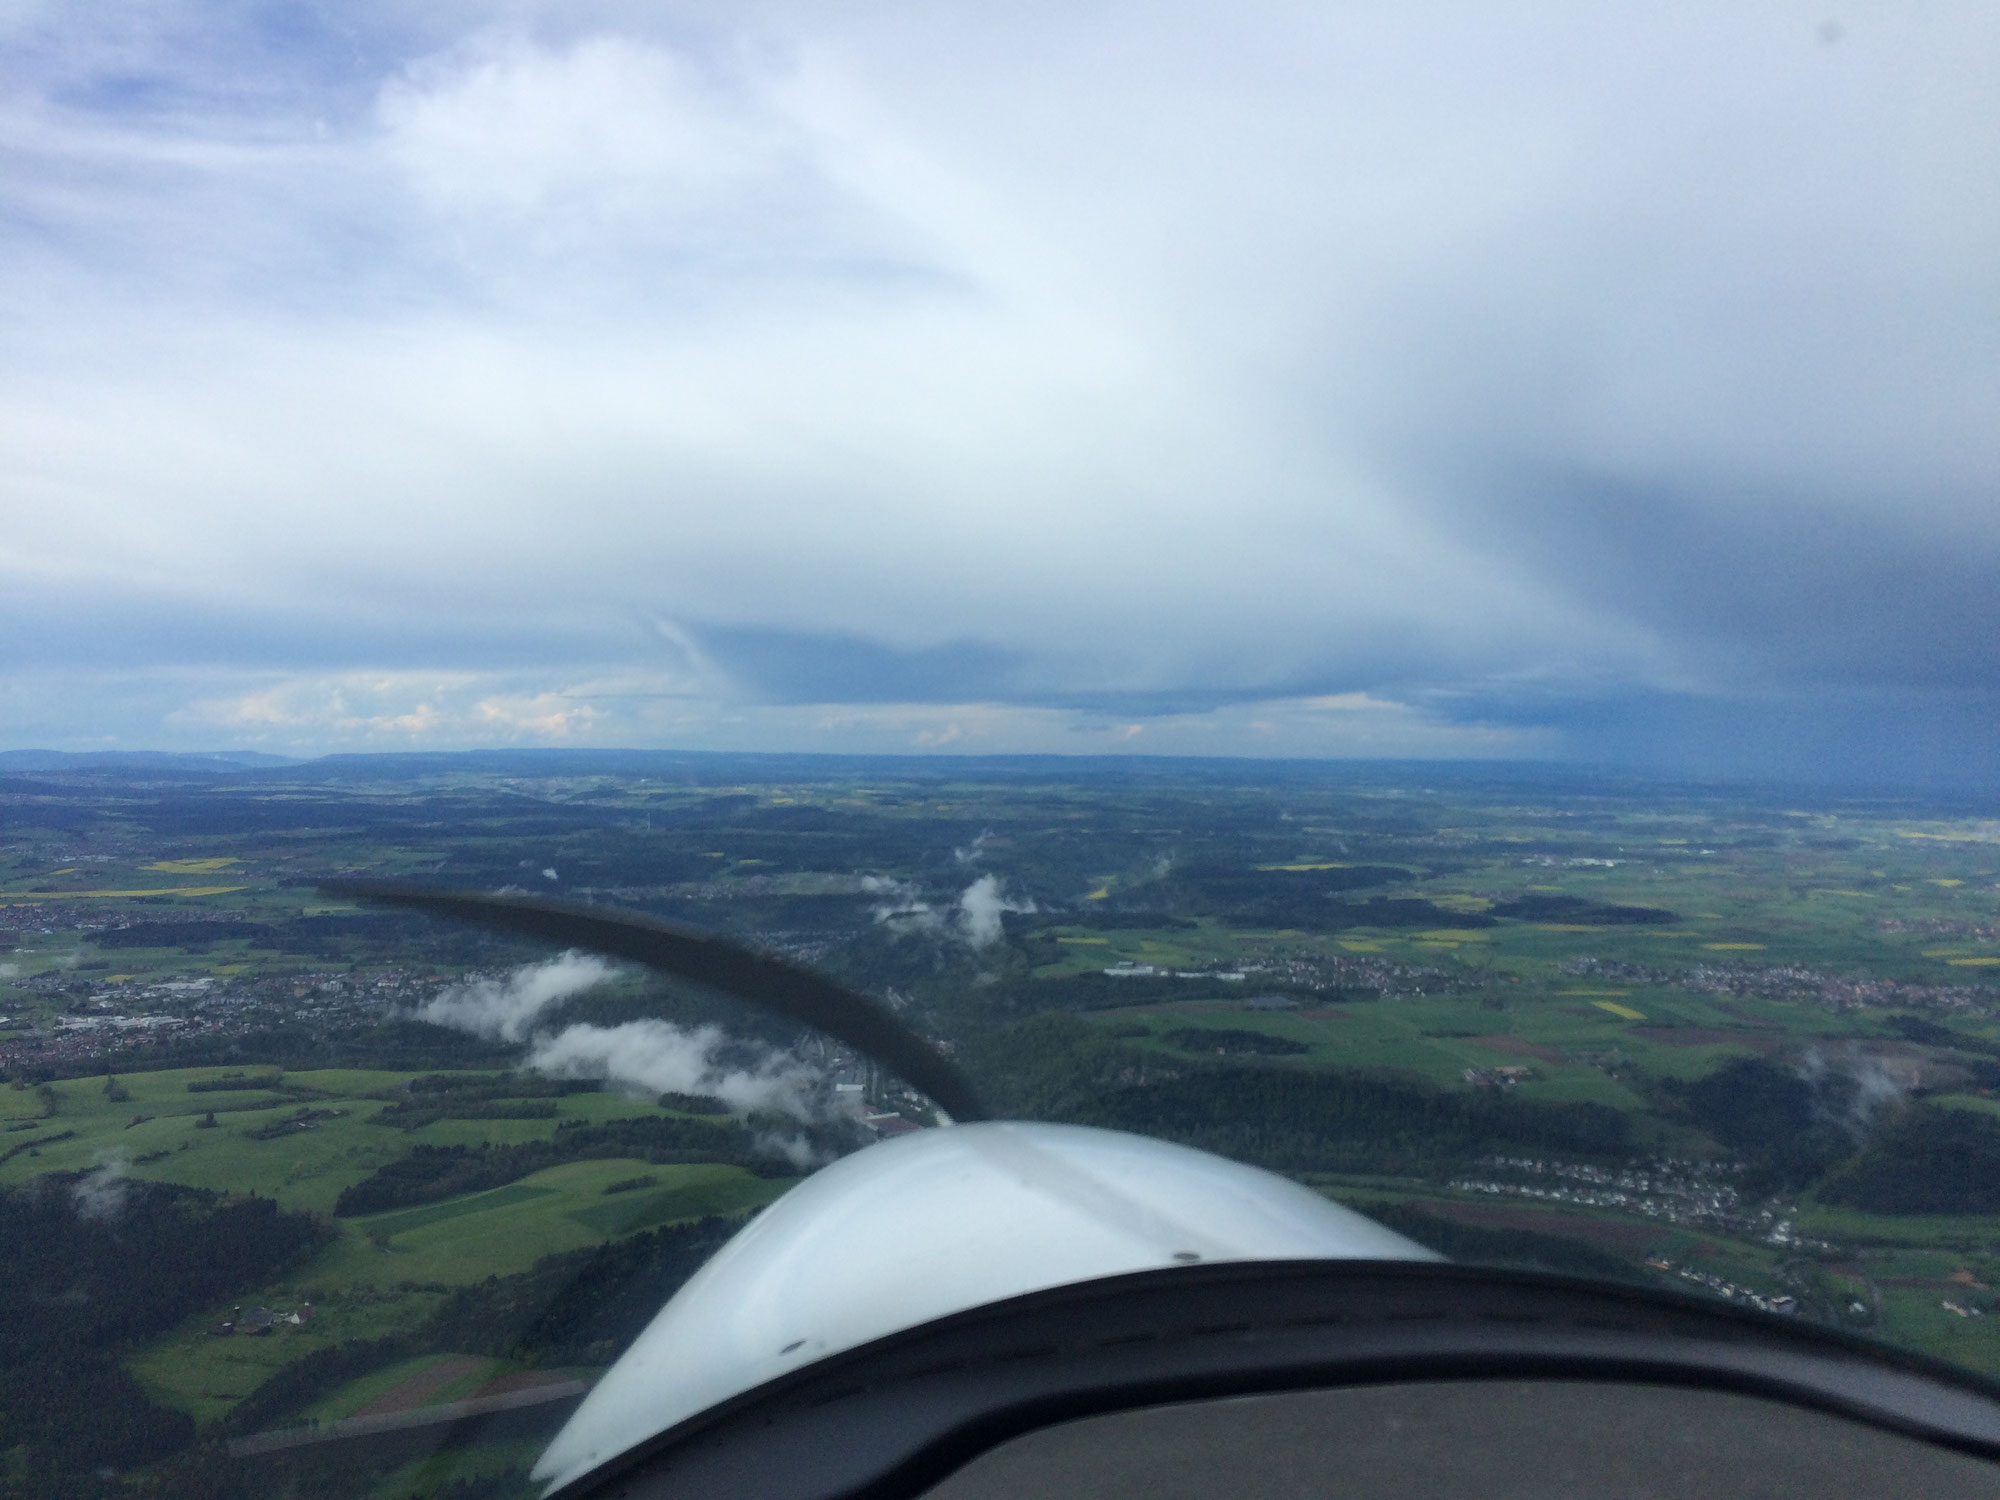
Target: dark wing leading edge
(793, 991)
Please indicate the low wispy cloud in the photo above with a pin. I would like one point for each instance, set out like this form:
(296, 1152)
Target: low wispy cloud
(980, 907)
(974, 918)
(100, 1194)
(1851, 1087)
(660, 1057)
(506, 1009)
(650, 1056)
(792, 1147)
(902, 907)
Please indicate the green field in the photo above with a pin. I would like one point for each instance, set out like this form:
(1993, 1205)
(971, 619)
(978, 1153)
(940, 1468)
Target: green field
(206, 1376)
(386, 1272)
(383, 1273)
(305, 1169)
(510, 1228)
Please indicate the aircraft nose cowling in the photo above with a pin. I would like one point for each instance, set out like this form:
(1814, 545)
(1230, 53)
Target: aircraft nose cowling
(935, 1223)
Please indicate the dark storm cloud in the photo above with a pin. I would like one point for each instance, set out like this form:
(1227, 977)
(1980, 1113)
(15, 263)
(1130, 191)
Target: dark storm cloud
(1758, 587)
(1857, 735)
(799, 667)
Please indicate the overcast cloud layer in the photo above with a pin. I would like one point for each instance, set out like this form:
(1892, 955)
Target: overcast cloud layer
(1317, 379)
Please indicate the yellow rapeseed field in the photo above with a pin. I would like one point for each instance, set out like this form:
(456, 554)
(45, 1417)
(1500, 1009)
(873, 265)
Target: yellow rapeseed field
(1624, 1011)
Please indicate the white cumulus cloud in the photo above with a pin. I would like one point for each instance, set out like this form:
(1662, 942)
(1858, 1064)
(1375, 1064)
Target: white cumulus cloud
(980, 907)
(974, 918)
(651, 1055)
(660, 1057)
(506, 1009)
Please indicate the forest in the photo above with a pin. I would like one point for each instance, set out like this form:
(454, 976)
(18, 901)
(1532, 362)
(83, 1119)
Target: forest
(1294, 1120)
(92, 1263)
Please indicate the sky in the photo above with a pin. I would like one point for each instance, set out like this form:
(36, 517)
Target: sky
(1543, 380)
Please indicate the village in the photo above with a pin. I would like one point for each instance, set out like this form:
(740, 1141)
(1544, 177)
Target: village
(1696, 1195)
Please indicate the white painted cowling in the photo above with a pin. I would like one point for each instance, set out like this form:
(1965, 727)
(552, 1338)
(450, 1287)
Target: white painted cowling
(934, 1223)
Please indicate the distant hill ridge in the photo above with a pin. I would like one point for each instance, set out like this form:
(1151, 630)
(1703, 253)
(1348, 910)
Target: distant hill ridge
(698, 766)
(139, 760)
(728, 767)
